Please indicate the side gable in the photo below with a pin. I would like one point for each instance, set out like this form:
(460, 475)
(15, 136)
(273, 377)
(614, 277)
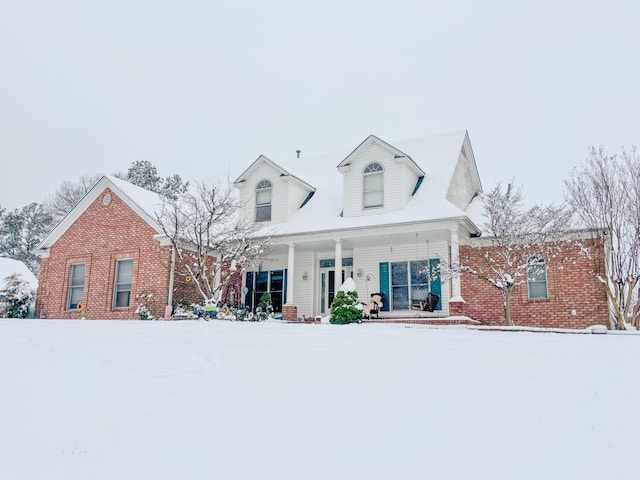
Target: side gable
(465, 180)
(143, 202)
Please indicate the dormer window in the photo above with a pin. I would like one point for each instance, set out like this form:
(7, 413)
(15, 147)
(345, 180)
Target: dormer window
(373, 185)
(263, 201)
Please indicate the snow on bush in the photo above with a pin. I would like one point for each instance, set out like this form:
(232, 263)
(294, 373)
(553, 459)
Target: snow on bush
(17, 297)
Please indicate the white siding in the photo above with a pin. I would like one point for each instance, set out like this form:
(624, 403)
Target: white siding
(286, 194)
(303, 289)
(297, 195)
(399, 181)
(462, 186)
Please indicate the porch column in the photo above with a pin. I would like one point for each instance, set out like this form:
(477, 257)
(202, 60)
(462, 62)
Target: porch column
(456, 302)
(289, 310)
(455, 260)
(290, 273)
(338, 264)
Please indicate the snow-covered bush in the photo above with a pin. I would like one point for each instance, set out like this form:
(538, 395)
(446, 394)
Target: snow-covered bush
(145, 301)
(18, 297)
(265, 307)
(345, 308)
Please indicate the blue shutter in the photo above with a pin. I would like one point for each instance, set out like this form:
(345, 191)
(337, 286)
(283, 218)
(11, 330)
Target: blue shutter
(384, 285)
(434, 276)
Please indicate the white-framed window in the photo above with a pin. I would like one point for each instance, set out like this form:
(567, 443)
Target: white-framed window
(263, 201)
(122, 284)
(76, 285)
(537, 279)
(373, 185)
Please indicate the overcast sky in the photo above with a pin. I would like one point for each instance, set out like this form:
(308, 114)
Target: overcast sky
(201, 87)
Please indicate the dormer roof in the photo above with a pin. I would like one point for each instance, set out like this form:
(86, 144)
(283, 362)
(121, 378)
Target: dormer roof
(262, 159)
(398, 154)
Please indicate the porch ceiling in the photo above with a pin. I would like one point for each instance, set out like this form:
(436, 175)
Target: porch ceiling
(310, 243)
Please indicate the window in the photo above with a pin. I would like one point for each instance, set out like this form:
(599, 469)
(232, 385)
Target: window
(373, 185)
(122, 289)
(272, 281)
(537, 278)
(76, 285)
(263, 201)
(408, 277)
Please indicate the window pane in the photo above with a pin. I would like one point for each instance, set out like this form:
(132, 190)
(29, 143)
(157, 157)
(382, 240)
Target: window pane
(399, 273)
(537, 290)
(263, 213)
(77, 274)
(125, 271)
(261, 281)
(276, 280)
(122, 299)
(263, 197)
(400, 298)
(419, 293)
(419, 273)
(373, 182)
(373, 199)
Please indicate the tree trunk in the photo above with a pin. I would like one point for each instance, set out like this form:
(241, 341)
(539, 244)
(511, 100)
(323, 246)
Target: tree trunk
(507, 308)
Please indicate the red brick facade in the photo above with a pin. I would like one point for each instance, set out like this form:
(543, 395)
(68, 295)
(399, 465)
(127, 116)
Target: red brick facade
(576, 298)
(101, 235)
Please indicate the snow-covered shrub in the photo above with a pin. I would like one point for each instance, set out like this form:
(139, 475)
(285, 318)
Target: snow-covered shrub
(265, 308)
(145, 301)
(345, 308)
(18, 297)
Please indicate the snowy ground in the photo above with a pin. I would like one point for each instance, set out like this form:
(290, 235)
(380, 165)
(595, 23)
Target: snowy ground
(220, 400)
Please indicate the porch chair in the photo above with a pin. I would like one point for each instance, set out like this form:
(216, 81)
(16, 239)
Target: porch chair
(373, 307)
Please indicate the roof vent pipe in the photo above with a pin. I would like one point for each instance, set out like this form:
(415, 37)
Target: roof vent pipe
(298, 153)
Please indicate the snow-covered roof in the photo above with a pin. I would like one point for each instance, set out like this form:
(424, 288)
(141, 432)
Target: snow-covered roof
(144, 202)
(9, 266)
(435, 155)
(283, 171)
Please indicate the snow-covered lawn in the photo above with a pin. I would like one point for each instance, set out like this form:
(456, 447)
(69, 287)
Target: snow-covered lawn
(218, 400)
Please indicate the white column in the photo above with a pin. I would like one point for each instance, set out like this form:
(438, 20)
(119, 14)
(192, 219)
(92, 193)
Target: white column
(455, 260)
(291, 273)
(338, 265)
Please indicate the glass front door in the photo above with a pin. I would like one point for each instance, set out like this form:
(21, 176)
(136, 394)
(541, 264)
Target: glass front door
(328, 287)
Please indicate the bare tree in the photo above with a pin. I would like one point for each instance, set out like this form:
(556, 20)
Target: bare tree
(210, 237)
(68, 195)
(605, 194)
(513, 243)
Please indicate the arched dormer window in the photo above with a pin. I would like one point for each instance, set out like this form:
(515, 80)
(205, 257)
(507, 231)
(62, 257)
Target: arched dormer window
(263, 201)
(373, 185)
(537, 278)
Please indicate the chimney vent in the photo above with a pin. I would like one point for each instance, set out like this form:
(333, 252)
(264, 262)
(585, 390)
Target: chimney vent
(298, 153)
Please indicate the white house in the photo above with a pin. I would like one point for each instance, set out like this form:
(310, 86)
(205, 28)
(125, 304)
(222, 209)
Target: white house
(385, 214)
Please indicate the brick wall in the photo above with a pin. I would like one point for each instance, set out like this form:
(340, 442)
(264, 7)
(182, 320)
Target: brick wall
(572, 287)
(99, 237)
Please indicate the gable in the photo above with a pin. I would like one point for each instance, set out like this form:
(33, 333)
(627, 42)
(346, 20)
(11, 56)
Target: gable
(399, 174)
(465, 181)
(141, 202)
(288, 190)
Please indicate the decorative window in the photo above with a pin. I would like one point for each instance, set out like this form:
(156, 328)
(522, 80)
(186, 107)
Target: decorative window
(373, 185)
(76, 285)
(263, 201)
(122, 288)
(537, 279)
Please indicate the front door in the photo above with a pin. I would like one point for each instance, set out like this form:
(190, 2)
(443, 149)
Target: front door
(328, 287)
